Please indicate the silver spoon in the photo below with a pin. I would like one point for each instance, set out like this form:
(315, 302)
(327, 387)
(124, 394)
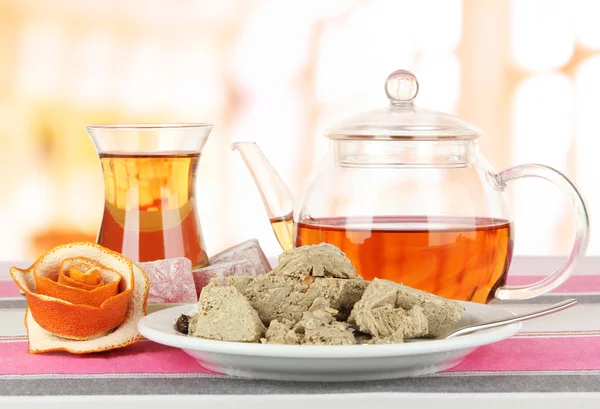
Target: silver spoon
(563, 305)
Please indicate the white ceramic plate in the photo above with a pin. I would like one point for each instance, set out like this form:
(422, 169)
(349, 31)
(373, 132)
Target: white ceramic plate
(328, 363)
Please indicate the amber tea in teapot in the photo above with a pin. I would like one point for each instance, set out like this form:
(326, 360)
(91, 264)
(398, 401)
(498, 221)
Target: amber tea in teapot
(456, 258)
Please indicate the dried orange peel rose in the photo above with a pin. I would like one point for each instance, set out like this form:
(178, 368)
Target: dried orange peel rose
(82, 298)
(80, 282)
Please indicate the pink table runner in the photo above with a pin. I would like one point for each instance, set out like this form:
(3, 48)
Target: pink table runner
(561, 352)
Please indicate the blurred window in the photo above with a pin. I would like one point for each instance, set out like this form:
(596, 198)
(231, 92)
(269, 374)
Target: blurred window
(278, 73)
(555, 47)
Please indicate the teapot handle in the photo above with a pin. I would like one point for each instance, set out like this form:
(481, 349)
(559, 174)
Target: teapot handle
(581, 231)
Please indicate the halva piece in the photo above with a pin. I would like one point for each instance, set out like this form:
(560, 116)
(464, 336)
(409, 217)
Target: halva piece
(307, 278)
(387, 321)
(341, 294)
(321, 328)
(315, 328)
(442, 314)
(280, 297)
(225, 314)
(282, 333)
(320, 260)
(386, 307)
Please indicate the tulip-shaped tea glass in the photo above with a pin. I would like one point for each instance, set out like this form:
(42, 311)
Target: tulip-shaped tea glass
(150, 210)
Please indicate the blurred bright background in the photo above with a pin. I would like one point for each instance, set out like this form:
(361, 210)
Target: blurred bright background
(279, 72)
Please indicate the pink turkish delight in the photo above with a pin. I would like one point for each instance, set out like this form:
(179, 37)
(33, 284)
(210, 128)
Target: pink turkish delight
(171, 281)
(244, 259)
(248, 250)
(221, 271)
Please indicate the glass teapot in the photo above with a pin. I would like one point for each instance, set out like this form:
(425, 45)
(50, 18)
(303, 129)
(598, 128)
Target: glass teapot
(407, 195)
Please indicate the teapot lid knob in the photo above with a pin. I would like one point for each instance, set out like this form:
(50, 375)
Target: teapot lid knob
(401, 87)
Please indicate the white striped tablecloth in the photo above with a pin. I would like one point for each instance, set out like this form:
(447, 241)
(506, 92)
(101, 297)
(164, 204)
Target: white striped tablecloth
(554, 355)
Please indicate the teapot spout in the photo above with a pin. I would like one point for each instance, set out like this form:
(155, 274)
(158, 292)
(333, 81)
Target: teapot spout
(275, 194)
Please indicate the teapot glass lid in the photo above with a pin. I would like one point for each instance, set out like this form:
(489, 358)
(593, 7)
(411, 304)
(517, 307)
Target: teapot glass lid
(402, 119)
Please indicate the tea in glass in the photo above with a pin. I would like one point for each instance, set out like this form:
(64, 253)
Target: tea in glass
(150, 209)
